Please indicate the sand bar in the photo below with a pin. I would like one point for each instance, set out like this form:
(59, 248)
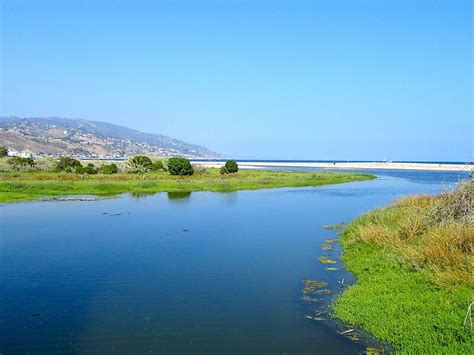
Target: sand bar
(342, 165)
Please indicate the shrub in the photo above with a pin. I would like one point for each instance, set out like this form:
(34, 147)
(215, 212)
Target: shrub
(455, 205)
(67, 161)
(109, 169)
(18, 163)
(157, 166)
(223, 170)
(90, 169)
(3, 151)
(139, 164)
(180, 166)
(231, 166)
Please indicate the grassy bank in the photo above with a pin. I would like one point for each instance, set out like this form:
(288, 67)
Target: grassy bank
(33, 185)
(413, 263)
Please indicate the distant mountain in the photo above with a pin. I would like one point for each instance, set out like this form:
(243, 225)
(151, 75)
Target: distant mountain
(93, 139)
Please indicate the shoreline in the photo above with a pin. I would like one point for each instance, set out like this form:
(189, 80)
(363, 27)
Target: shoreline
(342, 165)
(27, 186)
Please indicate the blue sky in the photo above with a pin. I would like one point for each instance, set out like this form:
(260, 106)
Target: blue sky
(252, 79)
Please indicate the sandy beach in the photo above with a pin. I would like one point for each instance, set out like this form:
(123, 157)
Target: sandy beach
(342, 165)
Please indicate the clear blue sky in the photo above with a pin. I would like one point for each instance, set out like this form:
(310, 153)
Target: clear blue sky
(252, 79)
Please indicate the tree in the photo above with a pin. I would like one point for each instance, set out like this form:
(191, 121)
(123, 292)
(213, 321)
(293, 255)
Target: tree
(65, 162)
(139, 164)
(90, 169)
(109, 169)
(231, 166)
(19, 163)
(3, 152)
(180, 166)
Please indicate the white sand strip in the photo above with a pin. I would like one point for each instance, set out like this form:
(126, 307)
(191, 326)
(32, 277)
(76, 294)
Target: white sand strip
(349, 165)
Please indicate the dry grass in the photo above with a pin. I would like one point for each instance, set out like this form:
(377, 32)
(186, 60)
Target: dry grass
(434, 235)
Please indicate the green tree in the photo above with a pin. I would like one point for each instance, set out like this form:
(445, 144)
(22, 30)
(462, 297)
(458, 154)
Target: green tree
(90, 169)
(19, 163)
(231, 166)
(109, 169)
(180, 166)
(3, 151)
(64, 162)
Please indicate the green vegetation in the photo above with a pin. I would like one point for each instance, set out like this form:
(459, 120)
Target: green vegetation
(3, 152)
(157, 166)
(180, 166)
(414, 267)
(109, 169)
(89, 169)
(230, 167)
(18, 163)
(325, 260)
(139, 164)
(66, 162)
(33, 185)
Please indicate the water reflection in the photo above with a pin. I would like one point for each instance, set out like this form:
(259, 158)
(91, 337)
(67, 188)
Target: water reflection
(179, 195)
(140, 195)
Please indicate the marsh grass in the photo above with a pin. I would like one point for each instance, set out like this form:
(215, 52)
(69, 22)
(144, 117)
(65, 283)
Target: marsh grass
(414, 267)
(22, 186)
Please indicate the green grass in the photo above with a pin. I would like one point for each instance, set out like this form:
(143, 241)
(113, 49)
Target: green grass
(414, 274)
(27, 186)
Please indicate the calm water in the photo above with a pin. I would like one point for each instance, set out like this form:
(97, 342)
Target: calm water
(206, 273)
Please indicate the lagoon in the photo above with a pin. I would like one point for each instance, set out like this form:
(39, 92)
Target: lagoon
(202, 272)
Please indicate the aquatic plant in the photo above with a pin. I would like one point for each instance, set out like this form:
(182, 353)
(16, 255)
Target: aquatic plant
(325, 260)
(326, 247)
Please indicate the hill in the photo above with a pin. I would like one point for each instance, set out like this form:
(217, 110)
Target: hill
(91, 139)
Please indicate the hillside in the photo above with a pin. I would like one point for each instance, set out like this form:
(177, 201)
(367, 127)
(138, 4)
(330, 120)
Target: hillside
(82, 138)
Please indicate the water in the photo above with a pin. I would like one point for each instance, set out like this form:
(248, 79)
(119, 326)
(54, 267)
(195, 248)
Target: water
(202, 273)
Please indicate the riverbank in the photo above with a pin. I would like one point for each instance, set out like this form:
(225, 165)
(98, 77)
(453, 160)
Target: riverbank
(37, 185)
(413, 267)
(348, 165)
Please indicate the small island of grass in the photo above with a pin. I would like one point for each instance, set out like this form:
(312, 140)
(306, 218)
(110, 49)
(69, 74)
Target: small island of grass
(28, 183)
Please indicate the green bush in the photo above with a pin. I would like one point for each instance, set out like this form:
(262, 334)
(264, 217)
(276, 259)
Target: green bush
(3, 151)
(139, 164)
(157, 166)
(109, 169)
(67, 161)
(90, 169)
(18, 163)
(231, 166)
(223, 170)
(180, 166)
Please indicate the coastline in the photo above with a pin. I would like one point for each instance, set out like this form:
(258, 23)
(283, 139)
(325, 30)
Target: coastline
(343, 165)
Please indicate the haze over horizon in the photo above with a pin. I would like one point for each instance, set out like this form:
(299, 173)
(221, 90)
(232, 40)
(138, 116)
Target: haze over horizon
(348, 80)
